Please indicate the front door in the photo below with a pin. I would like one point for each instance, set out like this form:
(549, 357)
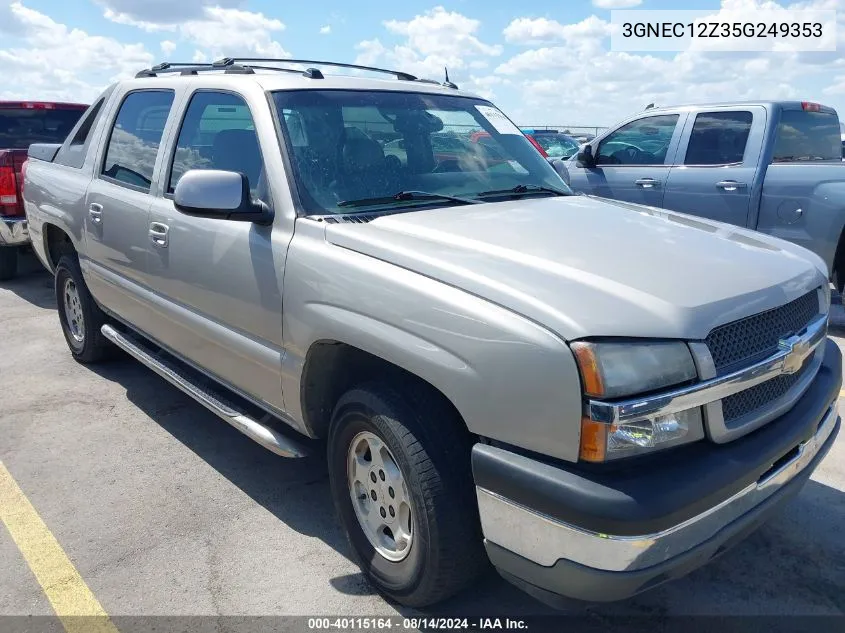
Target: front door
(118, 202)
(217, 284)
(632, 163)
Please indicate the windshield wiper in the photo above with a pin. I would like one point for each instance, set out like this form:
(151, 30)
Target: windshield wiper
(522, 190)
(405, 196)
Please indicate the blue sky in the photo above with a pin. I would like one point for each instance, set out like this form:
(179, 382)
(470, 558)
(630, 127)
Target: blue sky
(542, 62)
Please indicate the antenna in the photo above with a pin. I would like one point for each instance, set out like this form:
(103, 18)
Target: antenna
(448, 83)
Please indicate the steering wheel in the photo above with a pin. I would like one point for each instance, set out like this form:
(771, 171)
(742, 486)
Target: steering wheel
(632, 153)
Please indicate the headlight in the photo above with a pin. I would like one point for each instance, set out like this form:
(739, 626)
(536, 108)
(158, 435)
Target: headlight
(614, 370)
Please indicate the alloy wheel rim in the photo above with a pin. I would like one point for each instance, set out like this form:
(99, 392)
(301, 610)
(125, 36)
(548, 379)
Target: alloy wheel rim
(73, 311)
(380, 496)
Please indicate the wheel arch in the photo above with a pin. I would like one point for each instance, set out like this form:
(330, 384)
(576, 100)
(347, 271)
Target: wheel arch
(332, 367)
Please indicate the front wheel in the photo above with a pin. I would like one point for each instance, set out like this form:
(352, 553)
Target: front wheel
(399, 466)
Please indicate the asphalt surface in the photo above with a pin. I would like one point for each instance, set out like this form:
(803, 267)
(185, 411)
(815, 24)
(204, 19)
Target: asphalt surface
(166, 510)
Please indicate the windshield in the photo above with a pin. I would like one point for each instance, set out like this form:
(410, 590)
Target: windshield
(807, 136)
(20, 127)
(349, 146)
(557, 145)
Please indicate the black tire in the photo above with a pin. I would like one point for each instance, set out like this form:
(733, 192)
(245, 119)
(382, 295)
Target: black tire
(89, 345)
(8, 262)
(432, 449)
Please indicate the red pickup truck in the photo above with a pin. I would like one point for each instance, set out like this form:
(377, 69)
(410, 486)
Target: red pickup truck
(21, 124)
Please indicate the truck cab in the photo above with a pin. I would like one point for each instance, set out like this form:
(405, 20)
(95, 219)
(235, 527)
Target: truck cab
(774, 167)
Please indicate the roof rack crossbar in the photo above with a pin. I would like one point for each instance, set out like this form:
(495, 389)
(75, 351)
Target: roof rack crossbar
(228, 61)
(244, 65)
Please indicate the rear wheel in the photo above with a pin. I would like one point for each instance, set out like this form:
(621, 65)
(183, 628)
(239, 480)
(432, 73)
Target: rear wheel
(80, 317)
(399, 465)
(8, 262)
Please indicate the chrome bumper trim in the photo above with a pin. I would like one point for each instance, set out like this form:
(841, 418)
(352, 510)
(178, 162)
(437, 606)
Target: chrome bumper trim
(13, 231)
(544, 540)
(788, 359)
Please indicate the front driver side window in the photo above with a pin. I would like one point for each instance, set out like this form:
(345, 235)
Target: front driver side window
(218, 133)
(641, 142)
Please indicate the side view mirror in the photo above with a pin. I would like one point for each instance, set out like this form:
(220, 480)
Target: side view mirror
(560, 167)
(220, 195)
(585, 157)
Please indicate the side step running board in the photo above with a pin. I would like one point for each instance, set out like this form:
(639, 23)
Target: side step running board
(254, 429)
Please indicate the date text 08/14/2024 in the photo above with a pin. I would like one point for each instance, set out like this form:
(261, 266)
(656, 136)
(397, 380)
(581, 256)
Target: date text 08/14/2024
(381, 623)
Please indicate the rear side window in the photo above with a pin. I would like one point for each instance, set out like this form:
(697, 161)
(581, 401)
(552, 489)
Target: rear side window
(718, 138)
(641, 142)
(217, 133)
(136, 136)
(21, 127)
(807, 136)
(72, 154)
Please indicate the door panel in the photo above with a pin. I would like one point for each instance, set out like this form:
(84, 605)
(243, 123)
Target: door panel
(118, 202)
(632, 162)
(217, 284)
(719, 163)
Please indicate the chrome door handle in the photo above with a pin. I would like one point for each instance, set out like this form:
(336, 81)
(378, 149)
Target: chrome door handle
(95, 212)
(730, 185)
(647, 183)
(158, 234)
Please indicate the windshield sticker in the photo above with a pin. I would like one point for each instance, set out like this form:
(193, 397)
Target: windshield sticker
(498, 120)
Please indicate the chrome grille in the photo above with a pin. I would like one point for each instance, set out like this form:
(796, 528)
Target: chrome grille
(742, 342)
(741, 404)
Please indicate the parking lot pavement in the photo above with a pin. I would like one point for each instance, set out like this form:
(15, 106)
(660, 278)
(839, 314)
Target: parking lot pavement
(164, 509)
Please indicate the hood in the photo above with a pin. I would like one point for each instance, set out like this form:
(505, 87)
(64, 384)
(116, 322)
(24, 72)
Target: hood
(584, 266)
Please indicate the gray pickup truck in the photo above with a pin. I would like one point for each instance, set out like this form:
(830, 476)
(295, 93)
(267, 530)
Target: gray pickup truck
(775, 167)
(583, 392)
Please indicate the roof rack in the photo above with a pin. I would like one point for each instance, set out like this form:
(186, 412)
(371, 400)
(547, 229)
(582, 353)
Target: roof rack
(229, 61)
(246, 65)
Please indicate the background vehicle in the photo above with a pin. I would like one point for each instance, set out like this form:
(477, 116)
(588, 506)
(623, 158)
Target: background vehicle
(23, 123)
(551, 143)
(770, 166)
(493, 362)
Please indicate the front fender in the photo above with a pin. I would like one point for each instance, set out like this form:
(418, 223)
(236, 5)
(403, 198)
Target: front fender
(509, 378)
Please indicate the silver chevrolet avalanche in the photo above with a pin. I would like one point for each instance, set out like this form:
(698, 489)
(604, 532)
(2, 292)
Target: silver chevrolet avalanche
(594, 396)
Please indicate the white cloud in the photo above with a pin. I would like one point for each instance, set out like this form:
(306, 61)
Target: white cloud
(155, 14)
(128, 20)
(325, 30)
(51, 61)
(431, 41)
(616, 4)
(199, 57)
(569, 75)
(543, 30)
(223, 31)
(167, 47)
(219, 29)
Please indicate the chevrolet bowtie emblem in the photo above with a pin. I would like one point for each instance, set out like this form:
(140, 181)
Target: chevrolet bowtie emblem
(797, 350)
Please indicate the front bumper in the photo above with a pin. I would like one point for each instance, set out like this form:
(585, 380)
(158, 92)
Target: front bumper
(13, 231)
(600, 535)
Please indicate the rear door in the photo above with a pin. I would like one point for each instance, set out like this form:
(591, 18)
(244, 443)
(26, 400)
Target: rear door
(717, 164)
(632, 162)
(118, 201)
